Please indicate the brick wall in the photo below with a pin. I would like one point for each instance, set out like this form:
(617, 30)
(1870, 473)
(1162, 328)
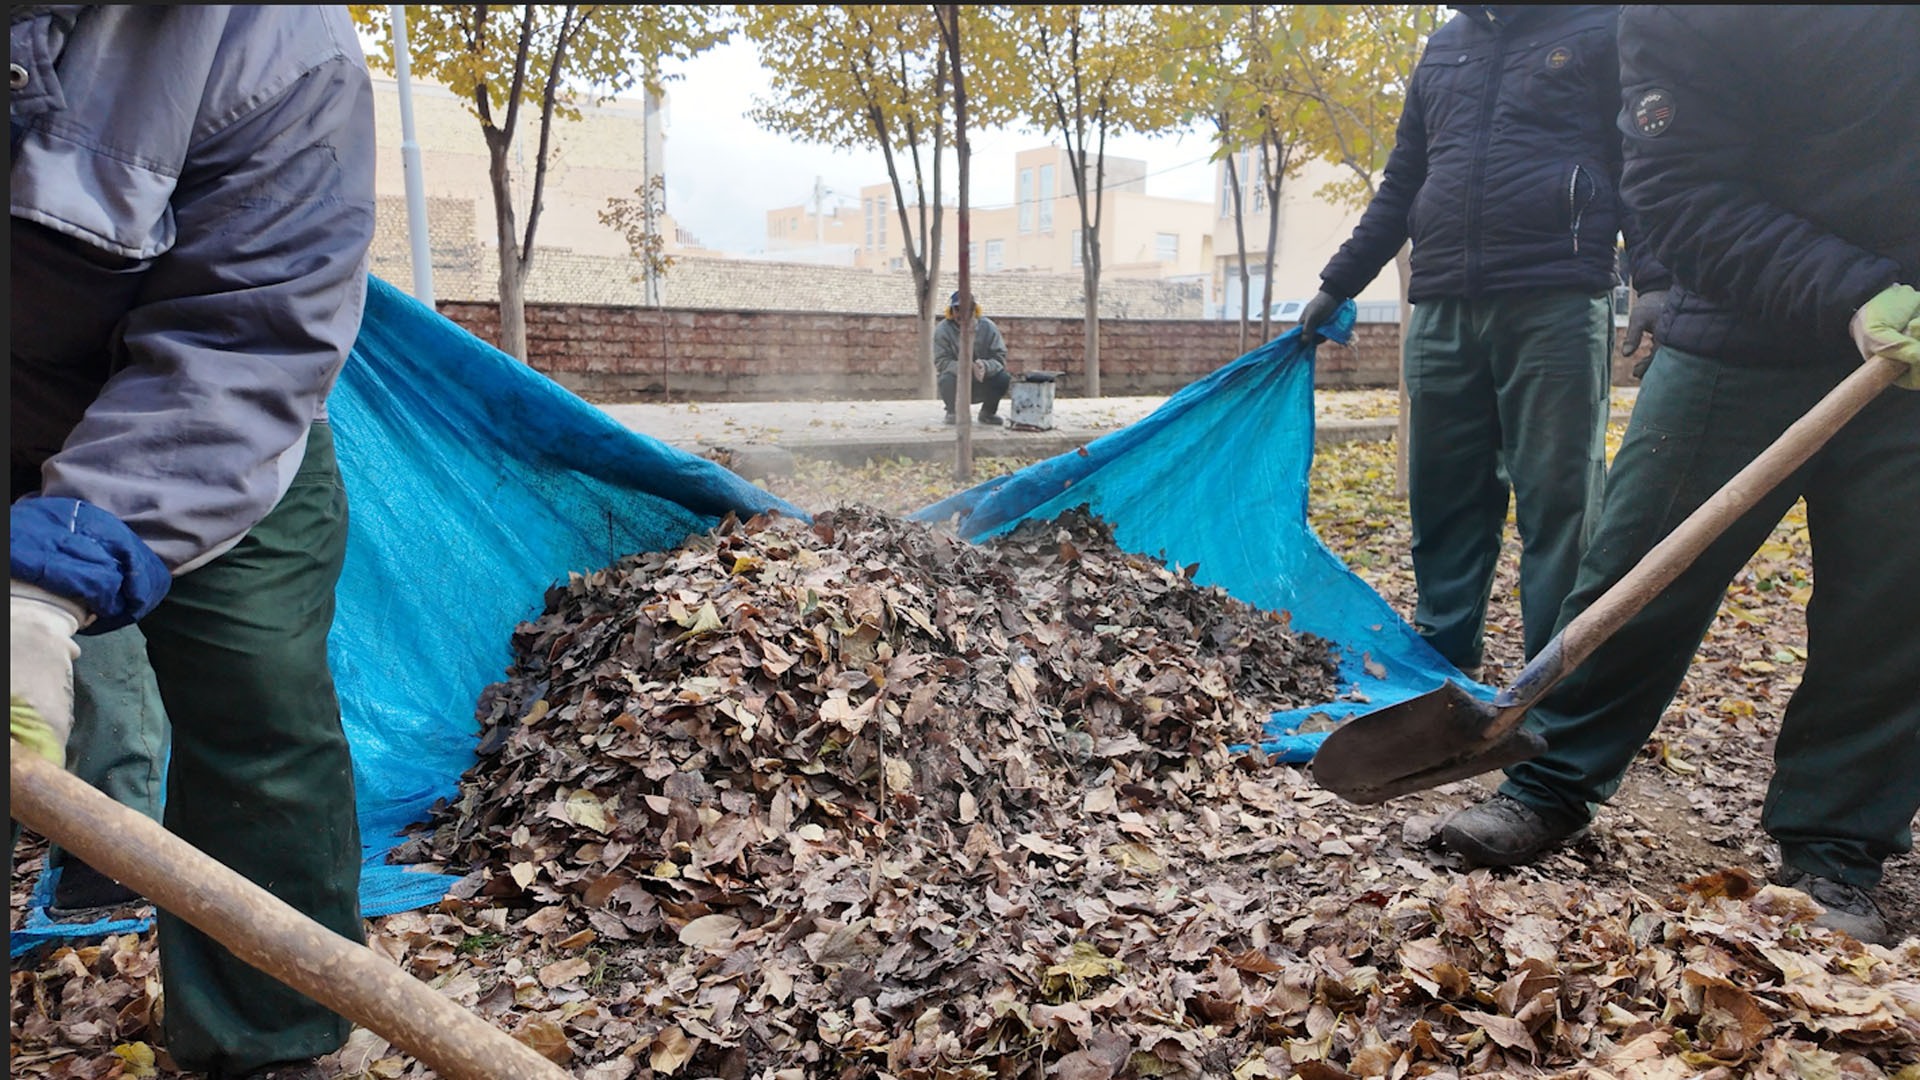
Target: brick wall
(650, 354)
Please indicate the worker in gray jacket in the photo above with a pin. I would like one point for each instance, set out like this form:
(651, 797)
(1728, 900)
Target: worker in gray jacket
(990, 378)
(192, 203)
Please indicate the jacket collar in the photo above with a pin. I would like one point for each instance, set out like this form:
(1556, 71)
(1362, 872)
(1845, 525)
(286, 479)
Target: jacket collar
(1506, 18)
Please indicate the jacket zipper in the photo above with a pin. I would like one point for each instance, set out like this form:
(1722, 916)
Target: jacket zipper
(1488, 99)
(1575, 213)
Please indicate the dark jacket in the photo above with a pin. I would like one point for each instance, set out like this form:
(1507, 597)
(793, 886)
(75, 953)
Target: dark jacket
(1773, 159)
(1506, 164)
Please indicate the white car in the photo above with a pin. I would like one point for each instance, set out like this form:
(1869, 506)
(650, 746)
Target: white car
(1366, 311)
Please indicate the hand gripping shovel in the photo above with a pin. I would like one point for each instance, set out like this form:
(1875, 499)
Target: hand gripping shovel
(1446, 734)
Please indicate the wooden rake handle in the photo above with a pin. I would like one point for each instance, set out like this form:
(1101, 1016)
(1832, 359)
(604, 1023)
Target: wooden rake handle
(264, 930)
(1671, 556)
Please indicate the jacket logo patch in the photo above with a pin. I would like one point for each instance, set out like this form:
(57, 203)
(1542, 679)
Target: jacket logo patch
(1652, 112)
(1559, 58)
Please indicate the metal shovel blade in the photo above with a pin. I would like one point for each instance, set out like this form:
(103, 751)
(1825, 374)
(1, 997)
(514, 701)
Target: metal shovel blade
(1443, 735)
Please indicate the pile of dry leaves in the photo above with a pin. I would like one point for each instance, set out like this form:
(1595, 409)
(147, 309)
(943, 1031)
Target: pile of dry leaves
(824, 783)
(855, 799)
(858, 799)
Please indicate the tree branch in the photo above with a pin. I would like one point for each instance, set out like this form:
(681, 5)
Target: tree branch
(568, 28)
(519, 83)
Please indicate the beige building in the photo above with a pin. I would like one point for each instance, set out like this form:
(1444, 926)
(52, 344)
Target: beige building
(1311, 229)
(865, 236)
(606, 154)
(1141, 235)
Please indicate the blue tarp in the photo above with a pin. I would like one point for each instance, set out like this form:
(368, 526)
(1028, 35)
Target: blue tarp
(1218, 477)
(476, 483)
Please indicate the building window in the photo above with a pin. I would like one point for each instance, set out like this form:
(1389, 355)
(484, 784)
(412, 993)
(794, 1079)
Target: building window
(1046, 198)
(880, 209)
(995, 254)
(1166, 247)
(866, 211)
(1026, 200)
(898, 264)
(1074, 259)
(973, 253)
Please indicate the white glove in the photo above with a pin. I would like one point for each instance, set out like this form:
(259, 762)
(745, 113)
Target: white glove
(41, 651)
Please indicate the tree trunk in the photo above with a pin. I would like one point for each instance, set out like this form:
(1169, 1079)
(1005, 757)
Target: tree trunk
(1269, 179)
(1092, 278)
(1240, 243)
(513, 312)
(963, 367)
(513, 272)
(1403, 263)
(929, 315)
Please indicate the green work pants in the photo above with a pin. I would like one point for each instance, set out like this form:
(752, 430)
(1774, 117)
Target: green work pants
(1506, 393)
(119, 741)
(260, 778)
(1846, 782)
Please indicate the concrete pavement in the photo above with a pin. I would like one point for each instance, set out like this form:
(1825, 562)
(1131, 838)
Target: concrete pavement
(852, 432)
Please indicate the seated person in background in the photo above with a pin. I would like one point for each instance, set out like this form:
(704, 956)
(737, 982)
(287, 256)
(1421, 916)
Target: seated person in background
(990, 378)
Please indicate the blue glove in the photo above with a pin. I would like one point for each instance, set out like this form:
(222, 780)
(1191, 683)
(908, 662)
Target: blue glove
(78, 551)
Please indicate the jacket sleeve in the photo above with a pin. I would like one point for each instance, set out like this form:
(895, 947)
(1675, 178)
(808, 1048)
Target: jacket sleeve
(1383, 227)
(1639, 266)
(990, 346)
(240, 328)
(1693, 108)
(946, 346)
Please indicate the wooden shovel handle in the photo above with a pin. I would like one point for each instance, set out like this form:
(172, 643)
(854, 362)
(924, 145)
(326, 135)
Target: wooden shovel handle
(1671, 556)
(264, 930)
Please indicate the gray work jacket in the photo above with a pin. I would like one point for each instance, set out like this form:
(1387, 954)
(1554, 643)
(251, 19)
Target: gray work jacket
(988, 345)
(192, 201)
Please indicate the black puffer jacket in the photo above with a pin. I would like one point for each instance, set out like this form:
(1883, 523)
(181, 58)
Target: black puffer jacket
(1773, 156)
(1506, 164)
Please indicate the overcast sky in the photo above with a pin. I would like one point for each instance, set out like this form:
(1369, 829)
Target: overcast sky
(724, 172)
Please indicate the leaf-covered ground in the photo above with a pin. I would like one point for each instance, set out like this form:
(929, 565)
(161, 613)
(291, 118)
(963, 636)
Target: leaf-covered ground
(1208, 915)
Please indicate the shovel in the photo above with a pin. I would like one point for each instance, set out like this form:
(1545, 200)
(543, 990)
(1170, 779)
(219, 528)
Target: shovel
(263, 930)
(1447, 734)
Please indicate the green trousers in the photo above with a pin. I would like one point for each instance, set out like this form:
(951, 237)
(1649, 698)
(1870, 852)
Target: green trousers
(260, 778)
(119, 741)
(1846, 782)
(1506, 393)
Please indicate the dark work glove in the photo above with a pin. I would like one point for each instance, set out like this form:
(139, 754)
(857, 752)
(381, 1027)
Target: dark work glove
(1319, 312)
(1640, 321)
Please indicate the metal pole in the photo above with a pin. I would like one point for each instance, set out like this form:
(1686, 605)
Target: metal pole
(410, 162)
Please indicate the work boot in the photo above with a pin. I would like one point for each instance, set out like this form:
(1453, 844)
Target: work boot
(1503, 831)
(950, 418)
(83, 890)
(991, 419)
(1850, 908)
